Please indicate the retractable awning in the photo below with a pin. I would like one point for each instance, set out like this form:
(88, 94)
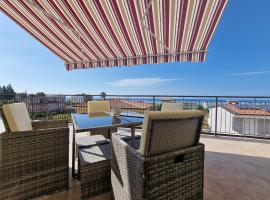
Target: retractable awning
(101, 33)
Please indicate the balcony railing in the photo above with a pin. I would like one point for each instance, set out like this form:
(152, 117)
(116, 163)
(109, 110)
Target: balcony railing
(243, 116)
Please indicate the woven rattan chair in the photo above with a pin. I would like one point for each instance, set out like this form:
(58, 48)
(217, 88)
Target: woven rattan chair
(96, 107)
(169, 163)
(171, 106)
(33, 162)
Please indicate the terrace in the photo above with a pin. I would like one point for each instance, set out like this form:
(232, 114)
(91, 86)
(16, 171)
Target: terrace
(85, 146)
(234, 169)
(234, 161)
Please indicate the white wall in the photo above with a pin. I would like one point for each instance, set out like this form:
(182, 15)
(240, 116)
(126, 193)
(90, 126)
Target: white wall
(225, 121)
(249, 125)
(242, 124)
(263, 127)
(258, 126)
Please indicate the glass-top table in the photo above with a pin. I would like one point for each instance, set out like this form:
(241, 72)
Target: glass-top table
(90, 122)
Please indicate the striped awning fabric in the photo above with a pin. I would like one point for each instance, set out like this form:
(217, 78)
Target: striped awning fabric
(101, 33)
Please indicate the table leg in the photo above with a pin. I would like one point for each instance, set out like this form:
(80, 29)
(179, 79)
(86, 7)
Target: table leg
(73, 153)
(109, 134)
(133, 129)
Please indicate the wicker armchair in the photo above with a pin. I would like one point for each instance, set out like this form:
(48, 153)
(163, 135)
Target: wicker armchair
(96, 108)
(34, 162)
(169, 163)
(171, 106)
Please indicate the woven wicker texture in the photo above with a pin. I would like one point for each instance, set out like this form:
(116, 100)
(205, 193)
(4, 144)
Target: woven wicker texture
(47, 124)
(171, 164)
(175, 175)
(94, 170)
(172, 134)
(169, 131)
(35, 162)
(95, 167)
(103, 131)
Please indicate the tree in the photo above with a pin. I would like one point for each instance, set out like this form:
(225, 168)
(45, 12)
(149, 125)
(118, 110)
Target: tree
(4, 90)
(88, 98)
(7, 94)
(201, 107)
(41, 94)
(103, 95)
(10, 90)
(7, 90)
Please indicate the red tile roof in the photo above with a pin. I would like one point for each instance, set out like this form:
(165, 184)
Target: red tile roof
(240, 111)
(130, 104)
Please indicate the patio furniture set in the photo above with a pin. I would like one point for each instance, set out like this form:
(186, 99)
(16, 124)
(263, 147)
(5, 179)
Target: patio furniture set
(165, 162)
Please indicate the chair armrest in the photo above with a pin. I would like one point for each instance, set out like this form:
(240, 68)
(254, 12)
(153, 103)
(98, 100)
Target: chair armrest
(141, 178)
(30, 146)
(48, 124)
(128, 169)
(34, 159)
(39, 132)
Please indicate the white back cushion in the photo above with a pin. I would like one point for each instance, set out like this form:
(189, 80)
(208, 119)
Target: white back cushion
(171, 106)
(17, 117)
(99, 106)
(152, 140)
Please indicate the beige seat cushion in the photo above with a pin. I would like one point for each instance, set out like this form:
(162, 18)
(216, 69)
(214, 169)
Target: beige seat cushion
(168, 131)
(17, 117)
(171, 106)
(99, 106)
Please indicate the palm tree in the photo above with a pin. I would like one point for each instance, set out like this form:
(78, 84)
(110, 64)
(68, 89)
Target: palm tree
(103, 95)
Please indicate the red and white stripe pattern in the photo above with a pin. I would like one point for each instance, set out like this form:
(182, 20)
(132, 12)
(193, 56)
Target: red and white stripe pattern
(106, 33)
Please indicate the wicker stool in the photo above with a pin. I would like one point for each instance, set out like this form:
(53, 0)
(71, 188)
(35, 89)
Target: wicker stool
(88, 141)
(95, 170)
(94, 153)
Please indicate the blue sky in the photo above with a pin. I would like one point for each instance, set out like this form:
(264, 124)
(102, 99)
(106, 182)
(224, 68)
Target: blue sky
(238, 62)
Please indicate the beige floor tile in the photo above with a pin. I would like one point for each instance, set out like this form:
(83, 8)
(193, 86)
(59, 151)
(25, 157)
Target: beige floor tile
(235, 169)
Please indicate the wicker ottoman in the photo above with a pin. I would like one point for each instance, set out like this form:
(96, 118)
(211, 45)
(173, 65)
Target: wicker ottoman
(94, 153)
(93, 140)
(95, 170)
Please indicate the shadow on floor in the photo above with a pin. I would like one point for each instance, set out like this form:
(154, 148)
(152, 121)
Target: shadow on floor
(236, 177)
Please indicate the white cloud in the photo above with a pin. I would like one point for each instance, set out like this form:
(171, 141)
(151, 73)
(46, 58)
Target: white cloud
(250, 73)
(141, 82)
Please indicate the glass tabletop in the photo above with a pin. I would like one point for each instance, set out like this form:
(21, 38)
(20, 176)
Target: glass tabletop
(99, 120)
